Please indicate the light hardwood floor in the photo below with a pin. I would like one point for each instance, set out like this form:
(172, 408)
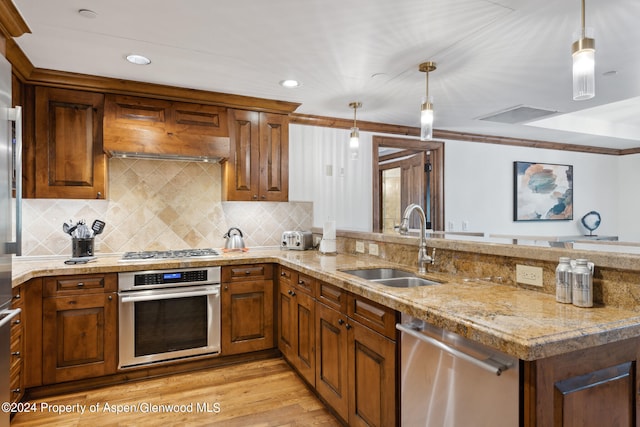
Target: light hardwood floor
(262, 393)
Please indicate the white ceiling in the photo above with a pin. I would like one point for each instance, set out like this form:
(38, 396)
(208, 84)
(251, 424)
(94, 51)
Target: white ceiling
(492, 55)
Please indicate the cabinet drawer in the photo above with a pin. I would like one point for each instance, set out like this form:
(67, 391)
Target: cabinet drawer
(242, 273)
(373, 315)
(73, 285)
(332, 296)
(306, 284)
(287, 276)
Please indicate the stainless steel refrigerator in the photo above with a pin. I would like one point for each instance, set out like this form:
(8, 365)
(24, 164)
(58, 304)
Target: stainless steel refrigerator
(9, 119)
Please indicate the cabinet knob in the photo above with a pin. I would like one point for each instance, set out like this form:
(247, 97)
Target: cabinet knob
(263, 197)
(16, 353)
(348, 326)
(16, 322)
(110, 297)
(226, 287)
(340, 322)
(80, 284)
(300, 282)
(17, 296)
(16, 390)
(255, 196)
(282, 273)
(99, 195)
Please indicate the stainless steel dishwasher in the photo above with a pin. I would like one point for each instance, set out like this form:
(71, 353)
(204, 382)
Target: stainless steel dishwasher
(450, 381)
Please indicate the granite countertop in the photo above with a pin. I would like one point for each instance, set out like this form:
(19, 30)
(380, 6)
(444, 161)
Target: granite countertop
(526, 324)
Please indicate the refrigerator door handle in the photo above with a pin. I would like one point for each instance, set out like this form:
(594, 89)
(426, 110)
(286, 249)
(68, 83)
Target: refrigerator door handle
(15, 114)
(10, 314)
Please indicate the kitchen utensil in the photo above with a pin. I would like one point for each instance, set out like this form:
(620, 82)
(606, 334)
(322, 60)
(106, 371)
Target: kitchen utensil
(235, 239)
(97, 226)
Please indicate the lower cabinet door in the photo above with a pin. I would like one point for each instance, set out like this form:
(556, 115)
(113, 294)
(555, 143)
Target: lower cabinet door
(79, 337)
(304, 356)
(331, 359)
(372, 378)
(247, 316)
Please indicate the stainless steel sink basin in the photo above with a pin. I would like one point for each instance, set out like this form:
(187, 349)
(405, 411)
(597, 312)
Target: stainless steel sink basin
(391, 277)
(379, 273)
(406, 282)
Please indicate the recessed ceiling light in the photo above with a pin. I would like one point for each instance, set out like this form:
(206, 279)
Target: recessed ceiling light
(138, 59)
(289, 83)
(86, 13)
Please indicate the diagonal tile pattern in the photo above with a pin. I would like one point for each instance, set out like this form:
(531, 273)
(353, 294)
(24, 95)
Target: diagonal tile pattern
(160, 204)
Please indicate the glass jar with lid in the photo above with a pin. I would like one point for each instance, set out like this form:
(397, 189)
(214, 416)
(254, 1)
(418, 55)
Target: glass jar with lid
(582, 284)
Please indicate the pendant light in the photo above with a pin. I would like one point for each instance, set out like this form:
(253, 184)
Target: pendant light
(354, 139)
(583, 52)
(426, 112)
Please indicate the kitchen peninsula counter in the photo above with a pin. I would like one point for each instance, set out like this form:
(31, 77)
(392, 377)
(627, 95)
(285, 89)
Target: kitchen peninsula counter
(527, 324)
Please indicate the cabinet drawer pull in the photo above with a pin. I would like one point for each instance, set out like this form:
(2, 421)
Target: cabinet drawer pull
(16, 390)
(80, 284)
(16, 353)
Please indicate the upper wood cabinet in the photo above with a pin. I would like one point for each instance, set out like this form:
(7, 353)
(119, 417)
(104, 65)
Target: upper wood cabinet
(69, 160)
(156, 126)
(258, 165)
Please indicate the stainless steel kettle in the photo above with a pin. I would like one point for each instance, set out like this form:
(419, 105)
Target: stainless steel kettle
(235, 239)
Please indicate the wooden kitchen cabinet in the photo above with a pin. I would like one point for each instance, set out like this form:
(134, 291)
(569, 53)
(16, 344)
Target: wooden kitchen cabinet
(356, 364)
(247, 308)
(80, 318)
(258, 165)
(595, 387)
(146, 125)
(296, 322)
(16, 361)
(69, 158)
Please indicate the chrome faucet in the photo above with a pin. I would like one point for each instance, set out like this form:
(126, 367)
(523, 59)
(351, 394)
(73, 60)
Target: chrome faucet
(423, 258)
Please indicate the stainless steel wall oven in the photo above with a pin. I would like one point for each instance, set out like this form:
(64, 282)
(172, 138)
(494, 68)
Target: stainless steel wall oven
(168, 314)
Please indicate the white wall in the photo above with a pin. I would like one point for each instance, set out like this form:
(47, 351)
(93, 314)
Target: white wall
(479, 188)
(478, 185)
(628, 198)
(321, 171)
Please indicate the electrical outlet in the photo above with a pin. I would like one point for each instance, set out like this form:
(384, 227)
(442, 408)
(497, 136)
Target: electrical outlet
(528, 275)
(360, 247)
(373, 249)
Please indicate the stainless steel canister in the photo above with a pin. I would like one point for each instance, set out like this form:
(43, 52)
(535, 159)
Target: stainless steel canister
(564, 281)
(582, 284)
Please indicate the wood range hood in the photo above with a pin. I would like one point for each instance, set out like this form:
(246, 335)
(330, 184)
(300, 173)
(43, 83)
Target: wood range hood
(161, 129)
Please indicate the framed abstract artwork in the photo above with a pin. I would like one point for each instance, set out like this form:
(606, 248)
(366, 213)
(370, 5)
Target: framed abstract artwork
(542, 192)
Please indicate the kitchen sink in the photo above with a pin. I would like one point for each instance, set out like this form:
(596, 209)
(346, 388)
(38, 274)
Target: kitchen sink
(406, 282)
(379, 273)
(391, 277)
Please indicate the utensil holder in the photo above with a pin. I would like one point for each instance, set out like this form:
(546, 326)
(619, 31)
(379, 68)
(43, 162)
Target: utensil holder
(81, 247)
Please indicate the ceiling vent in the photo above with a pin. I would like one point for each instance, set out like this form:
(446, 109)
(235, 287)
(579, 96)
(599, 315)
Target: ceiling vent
(517, 114)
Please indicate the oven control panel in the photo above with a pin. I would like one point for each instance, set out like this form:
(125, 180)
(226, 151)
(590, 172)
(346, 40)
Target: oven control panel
(170, 277)
(152, 279)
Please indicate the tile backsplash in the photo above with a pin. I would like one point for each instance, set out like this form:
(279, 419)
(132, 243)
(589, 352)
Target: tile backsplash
(157, 205)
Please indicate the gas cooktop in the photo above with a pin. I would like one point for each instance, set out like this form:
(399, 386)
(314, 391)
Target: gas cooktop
(181, 253)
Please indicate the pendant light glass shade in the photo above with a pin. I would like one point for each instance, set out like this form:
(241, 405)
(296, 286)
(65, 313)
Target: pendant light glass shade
(426, 111)
(354, 143)
(426, 121)
(583, 52)
(354, 137)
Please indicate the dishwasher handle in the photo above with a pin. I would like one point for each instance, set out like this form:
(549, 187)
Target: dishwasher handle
(488, 364)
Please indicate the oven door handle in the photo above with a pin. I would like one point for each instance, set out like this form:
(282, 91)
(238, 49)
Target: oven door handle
(170, 295)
